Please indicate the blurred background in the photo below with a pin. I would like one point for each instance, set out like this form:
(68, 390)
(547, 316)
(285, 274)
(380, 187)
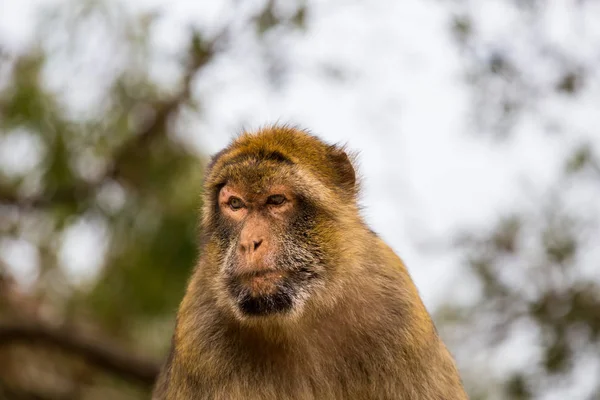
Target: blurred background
(476, 121)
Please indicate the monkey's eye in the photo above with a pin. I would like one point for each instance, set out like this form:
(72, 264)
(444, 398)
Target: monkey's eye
(235, 203)
(276, 199)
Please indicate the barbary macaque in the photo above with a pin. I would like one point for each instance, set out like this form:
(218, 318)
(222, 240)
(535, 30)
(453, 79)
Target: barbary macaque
(294, 297)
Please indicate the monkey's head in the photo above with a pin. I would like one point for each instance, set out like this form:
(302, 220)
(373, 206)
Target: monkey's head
(275, 204)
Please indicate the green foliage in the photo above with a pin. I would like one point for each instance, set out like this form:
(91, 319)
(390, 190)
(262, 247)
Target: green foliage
(152, 234)
(119, 168)
(533, 263)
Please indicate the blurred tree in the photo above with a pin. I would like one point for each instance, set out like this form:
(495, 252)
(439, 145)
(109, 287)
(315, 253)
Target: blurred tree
(536, 268)
(100, 174)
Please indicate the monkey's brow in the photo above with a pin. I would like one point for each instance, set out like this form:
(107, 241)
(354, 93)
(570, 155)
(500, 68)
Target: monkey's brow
(259, 155)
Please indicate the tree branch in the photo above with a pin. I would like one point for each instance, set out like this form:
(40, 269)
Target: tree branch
(199, 54)
(103, 355)
(10, 393)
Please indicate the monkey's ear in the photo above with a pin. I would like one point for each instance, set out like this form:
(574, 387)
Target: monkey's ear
(214, 158)
(344, 171)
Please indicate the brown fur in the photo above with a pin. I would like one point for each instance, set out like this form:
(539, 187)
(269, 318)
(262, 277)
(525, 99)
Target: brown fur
(360, 332)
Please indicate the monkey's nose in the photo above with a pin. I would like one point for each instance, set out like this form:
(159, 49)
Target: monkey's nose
(250, 245)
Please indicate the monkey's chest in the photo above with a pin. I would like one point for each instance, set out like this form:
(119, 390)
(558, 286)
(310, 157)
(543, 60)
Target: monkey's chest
(305, 375)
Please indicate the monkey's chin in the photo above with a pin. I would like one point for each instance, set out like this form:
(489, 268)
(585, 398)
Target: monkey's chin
(277, 303)
(264, 295)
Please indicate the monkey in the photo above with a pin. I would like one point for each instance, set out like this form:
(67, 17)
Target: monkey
(294, 296)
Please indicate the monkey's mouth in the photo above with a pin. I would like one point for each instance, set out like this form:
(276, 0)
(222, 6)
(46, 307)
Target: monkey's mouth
(261, 282)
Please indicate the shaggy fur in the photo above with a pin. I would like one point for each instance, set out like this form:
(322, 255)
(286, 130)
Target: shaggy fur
(346, 323)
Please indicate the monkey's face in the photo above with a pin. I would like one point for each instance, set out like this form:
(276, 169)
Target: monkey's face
(271, 261)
